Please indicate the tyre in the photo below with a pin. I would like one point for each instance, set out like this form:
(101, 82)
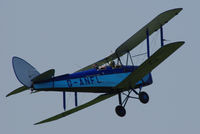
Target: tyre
(120, 111)
(143, 97)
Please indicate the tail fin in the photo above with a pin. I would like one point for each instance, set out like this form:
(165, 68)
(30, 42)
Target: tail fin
(24, 71)
(27, 75)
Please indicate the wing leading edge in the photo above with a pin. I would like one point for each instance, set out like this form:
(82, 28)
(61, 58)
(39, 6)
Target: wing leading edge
(138, 37)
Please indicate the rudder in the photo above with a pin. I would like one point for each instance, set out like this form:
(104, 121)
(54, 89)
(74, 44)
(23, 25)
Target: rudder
(24, 71)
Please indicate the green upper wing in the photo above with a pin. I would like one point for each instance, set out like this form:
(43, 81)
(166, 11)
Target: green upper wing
(92, 102)
(138, 37)
(148, 65)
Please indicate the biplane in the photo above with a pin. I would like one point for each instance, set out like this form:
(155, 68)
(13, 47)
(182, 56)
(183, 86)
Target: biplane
(111, 79)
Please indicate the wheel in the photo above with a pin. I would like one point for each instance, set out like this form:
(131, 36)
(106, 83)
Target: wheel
(120, 111)
(143, 97)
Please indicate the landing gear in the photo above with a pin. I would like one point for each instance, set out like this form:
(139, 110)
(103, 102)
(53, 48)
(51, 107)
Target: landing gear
(143, 97)
(120, 111)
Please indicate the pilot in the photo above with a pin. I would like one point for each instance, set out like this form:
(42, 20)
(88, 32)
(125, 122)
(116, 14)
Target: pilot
(96, 66)
(112, 64)
(118, 65)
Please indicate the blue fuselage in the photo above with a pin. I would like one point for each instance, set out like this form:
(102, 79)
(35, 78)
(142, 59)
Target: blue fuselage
(93, 80)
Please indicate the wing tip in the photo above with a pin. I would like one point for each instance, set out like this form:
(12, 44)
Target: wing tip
(18, 90)
(175, 44)
(37, 123)
(179, 9)
(176, 11)
(41, 122)
(8, 95)
(11, 93)
(179, 42)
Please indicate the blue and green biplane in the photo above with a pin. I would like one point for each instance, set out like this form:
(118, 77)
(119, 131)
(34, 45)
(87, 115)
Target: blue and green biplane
(109, 80)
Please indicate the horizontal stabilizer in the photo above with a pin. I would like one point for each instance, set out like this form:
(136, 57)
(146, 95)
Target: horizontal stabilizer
(92, 102)
(44, 76)
(147, 66)
(18, 90)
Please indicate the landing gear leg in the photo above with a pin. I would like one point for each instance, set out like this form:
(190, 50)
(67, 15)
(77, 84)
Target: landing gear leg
(142, 96)
(120, 110)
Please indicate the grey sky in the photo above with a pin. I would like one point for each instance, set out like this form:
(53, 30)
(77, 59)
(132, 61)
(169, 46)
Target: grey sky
(68, 35)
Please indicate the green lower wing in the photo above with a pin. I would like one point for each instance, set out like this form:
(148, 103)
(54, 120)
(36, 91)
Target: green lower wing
(92, 102)
(18, 90)
(147, 66)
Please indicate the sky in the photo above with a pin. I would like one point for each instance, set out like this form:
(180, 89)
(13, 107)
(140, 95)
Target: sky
(69, 34)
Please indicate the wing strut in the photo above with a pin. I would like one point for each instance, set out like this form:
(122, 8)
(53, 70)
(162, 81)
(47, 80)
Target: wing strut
(64, 100)
(148, 50)
(76, 99)
(119, 60)
(129, 56)
(161, 36)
